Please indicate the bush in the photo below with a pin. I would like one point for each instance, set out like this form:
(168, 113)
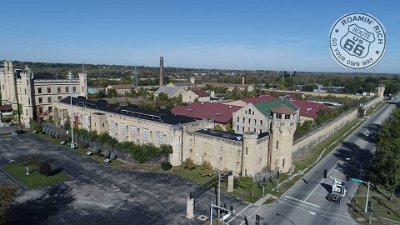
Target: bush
(246, 183)
(45, 168)
(206, 169)
(189, 164)
(166, 165)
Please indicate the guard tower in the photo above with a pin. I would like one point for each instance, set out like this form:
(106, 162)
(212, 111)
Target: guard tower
(282, 128)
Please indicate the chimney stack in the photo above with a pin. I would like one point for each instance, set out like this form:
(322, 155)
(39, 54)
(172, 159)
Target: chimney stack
(161, 71)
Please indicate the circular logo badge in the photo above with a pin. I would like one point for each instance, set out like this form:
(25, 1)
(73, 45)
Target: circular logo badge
(357, 41)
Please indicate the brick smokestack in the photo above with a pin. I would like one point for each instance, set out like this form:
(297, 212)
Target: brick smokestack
(161, 71)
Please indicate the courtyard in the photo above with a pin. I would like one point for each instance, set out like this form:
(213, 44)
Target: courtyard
(99, 194)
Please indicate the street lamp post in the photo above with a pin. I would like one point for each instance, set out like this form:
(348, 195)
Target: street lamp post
(72, 113)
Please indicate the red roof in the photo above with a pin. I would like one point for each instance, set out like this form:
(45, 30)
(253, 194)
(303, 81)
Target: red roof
(218, 112)
(199, 92)
(308, 109)
(263, 98)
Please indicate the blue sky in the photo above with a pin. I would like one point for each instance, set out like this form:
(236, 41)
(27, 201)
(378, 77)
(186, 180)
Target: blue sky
(228, 34)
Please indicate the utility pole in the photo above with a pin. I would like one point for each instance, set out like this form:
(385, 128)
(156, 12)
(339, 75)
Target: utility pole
(72, 114)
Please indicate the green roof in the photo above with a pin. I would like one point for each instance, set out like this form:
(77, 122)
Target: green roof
(265, 107)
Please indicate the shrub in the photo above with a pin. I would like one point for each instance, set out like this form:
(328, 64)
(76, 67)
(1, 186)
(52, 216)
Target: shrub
(246, 183)
(189, 164)
(206, 169)
(45, 168)
(166, 165)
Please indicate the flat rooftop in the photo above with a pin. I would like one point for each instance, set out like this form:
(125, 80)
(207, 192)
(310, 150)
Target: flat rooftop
(130, 110)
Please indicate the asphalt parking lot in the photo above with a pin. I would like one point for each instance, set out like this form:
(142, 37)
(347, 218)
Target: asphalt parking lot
(98, 194)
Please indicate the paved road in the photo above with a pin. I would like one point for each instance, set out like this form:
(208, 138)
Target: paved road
(98, 194)
(305, 203)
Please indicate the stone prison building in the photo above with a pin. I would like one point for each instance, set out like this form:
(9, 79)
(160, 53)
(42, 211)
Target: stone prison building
(245, 154)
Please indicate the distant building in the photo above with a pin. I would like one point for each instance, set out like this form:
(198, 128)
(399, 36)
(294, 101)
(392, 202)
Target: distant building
(35, 93)
(230, 87)
(195, 94)
(171, 92)
(308, 110)
(121, 89)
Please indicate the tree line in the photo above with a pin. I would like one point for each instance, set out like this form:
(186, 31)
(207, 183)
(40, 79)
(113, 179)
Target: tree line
(386, 164)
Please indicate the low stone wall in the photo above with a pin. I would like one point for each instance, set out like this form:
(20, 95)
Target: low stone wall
(312, 139)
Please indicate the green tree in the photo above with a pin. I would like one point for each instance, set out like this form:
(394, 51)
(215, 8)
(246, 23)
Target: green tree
(7, 196)
(206, 169)
(162, 97)
(246, 183)
(386, 164)
(45, 169)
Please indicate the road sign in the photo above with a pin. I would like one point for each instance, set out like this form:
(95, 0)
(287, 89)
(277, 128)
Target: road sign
(357, 180)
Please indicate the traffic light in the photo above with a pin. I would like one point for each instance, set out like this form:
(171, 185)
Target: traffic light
(257, 220)
(325, 173)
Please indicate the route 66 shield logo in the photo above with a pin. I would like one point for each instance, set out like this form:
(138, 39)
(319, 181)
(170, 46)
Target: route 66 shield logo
(357, 41)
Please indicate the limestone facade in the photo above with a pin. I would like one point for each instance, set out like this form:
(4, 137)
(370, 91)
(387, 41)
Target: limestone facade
(244, 154)
(35, 95)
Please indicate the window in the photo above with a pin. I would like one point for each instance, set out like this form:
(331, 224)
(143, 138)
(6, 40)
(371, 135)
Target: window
(260, 131)
(283, 163)
(59, 90)
(248, 129)
(48, 90)
(279, 116)
(29, 101)
(249, 111)
(66, 89)
(59, 97)
(249, 120)
(277, 144)
(25, 90)
(247, 150)
(287, 116)
(39, 90)
(237, 127)
(49, 99)
(50, 109)
(159, 138)
(245, 111)
(255, 122)
(243, 119)
(243, 128)
(74, 89)
(255, 130)
(146, 134)
(261, 122)
(238, 119)
(40, 100)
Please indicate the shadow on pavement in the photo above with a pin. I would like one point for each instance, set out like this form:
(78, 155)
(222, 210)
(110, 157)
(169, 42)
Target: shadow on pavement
(37, 210)
(355, 160)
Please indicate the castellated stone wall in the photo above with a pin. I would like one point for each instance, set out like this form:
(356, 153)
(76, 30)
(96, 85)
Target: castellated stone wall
(245, 157)
(308, 142)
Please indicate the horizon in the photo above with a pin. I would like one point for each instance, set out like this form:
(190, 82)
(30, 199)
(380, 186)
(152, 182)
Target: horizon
(224, 35)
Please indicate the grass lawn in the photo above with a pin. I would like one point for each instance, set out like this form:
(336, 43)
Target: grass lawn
(35, 179)
(383, 207)
(330, 143)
